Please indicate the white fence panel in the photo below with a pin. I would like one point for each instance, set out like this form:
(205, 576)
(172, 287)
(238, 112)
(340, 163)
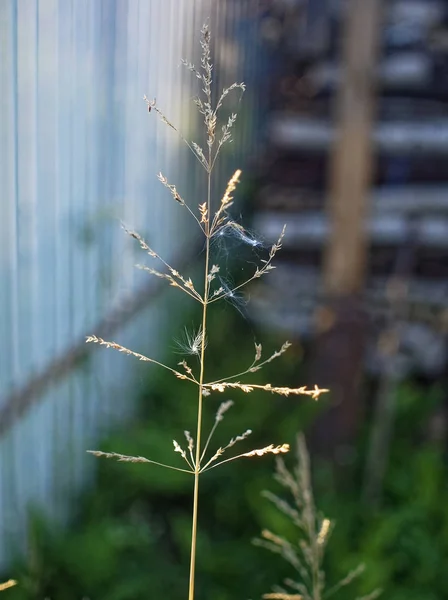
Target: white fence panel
(79, 153)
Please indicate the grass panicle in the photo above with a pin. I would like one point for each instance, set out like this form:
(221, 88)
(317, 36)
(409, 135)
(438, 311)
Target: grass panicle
(213, 222)
(313, 531)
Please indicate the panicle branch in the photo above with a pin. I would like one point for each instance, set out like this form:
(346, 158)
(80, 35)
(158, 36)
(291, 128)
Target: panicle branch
(191, 145)
(273, 356)
(267, 387)
(171, 188)
(223, 408)
(97, 340)
(178, 198)
(174, 278)
(204, 106)
(133, 459)
(190, 66)
(235, 86)
(271, 449)
(233, 441)
(226, 135)
(187, 369)
(254, 366)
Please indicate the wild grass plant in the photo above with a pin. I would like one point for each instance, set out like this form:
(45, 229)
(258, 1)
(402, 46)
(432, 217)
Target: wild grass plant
(214, 222)
(307, 553)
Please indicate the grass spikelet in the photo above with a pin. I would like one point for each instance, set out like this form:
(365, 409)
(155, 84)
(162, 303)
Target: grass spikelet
(223, 408)
(226, 202)
(203, 210)
(324, 531)
(190, 442)
(271, 449)
(7, 584)
(181, 451)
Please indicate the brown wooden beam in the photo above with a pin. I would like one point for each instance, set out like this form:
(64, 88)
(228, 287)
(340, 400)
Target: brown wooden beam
(341, 322)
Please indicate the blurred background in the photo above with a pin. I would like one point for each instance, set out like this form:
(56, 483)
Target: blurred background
(342, 135)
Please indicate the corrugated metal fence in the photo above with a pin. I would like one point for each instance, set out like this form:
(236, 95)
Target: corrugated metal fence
(77, 155)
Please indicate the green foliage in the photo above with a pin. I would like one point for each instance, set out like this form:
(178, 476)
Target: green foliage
(132, 532)
(404, 543)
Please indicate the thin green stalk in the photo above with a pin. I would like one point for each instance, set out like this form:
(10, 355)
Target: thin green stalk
(197, 465)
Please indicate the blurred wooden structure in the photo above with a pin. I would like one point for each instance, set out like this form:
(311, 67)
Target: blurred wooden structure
(408, 142)
(341, 334)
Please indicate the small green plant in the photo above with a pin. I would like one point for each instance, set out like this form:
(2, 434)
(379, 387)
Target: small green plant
(307, 554)
(214, 222)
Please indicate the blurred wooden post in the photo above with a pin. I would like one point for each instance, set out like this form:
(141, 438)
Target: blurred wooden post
(341, 325)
